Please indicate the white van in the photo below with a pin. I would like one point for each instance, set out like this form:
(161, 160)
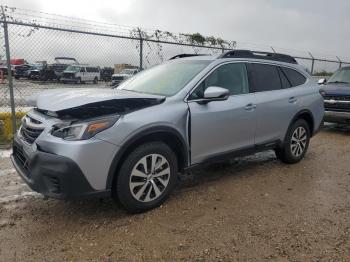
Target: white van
(81, 74)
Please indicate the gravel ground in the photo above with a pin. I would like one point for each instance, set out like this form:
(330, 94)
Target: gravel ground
(251, 209)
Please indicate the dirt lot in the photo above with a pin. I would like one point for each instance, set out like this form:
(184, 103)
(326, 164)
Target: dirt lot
(253, 209)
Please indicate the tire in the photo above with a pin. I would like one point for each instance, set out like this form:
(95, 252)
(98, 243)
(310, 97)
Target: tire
(136, 186)
(78, 81)
(95, 80)
(295, 144)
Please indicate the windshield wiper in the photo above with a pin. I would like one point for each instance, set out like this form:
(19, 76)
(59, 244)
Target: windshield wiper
(339, 82)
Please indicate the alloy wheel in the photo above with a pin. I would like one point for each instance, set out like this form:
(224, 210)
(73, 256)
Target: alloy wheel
(298, 141)
(149, 177)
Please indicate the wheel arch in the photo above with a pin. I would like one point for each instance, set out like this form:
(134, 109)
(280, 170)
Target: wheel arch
(168, 135)
(306, 115)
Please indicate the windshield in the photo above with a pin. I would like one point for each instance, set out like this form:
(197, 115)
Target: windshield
(341, 76)
(127, 71)
(36, 67)
(73, 68)
(165, 79)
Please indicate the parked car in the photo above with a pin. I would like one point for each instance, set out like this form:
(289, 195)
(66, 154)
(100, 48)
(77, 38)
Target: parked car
(61, 64)
(122, 76)
(4, 70)
(131, 142)
(106, 74)
(81, 74)
(337, 96)
(35, 71)
(22, 71)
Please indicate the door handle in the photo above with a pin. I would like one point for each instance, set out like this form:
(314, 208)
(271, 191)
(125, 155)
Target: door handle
(292, 100)
(250, 107)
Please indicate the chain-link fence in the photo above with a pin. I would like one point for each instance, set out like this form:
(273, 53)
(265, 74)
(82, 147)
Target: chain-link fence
(32, 42)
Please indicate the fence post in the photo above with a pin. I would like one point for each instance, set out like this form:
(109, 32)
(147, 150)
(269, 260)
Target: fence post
(9, 72)
(312, 63)
(340, 62)
(141, 48)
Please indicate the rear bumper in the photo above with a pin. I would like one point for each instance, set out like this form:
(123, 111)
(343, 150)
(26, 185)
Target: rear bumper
(337, 117)
(53, 175)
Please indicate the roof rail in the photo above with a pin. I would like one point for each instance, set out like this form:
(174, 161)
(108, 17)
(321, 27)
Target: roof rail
(259, 55)
(185, 55)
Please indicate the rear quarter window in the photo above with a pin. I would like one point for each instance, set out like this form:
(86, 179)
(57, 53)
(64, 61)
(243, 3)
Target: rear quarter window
(295, 78)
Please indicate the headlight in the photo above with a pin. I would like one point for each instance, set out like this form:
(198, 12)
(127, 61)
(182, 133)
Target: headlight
(84, 130)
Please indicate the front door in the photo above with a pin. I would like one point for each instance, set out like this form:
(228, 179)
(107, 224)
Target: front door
(220, 127)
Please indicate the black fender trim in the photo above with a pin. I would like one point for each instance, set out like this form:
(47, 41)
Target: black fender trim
(297, 116)
(152, 130)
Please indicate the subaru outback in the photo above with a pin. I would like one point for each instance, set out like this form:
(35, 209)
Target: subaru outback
(132, 142)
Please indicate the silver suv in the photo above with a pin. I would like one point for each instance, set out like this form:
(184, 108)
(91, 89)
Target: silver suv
(132, 142)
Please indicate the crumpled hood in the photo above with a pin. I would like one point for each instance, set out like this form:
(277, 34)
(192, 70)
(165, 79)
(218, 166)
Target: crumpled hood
(62, 99)
(337, 89)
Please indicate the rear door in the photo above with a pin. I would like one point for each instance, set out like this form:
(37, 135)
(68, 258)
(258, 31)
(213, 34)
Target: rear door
(276, 102)
(220, 127)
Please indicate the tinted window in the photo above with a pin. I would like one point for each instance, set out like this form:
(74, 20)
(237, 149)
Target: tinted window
(230, 76)
(285, 82)
(91, 69)
(264, 77)
(295, 78)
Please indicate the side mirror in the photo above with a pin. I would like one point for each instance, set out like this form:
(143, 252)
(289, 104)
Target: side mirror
(322, 81)
(215, 93)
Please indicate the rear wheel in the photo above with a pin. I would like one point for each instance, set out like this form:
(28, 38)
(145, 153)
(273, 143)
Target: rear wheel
(296, 143)
(95, 80)
(146, 178)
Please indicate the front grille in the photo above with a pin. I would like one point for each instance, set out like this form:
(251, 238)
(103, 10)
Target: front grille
(339, 98)
(20, 158)
(31, 129)
(337, 103)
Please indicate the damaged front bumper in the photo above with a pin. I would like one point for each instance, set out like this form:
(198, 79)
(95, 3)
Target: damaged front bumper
(54, 175)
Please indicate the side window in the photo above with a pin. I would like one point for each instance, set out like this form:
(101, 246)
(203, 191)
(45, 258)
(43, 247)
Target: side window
(264, 77)
(294, 77)
(230, 76)
(284, 80)
(82, 70)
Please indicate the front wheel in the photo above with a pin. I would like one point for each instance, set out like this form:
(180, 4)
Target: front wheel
(296, 143)
(146, 177)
